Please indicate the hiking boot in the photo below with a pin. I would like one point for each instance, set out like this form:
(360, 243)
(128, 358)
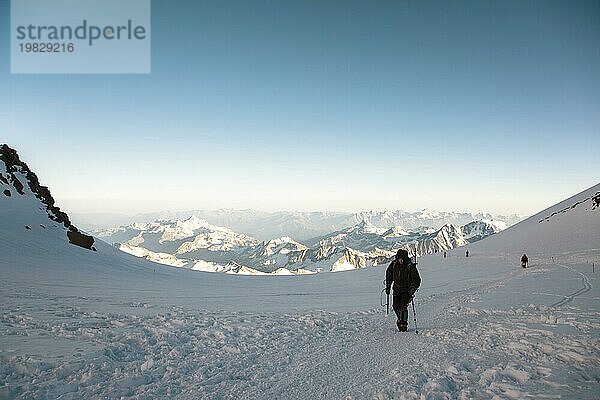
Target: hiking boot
(402, 325)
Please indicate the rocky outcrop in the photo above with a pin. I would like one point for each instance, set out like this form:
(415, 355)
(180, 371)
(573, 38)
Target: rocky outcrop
(15, 166)
(594, 200)
(79, 239)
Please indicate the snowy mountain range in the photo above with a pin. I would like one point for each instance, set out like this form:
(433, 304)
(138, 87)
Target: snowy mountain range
(193, 242)
(301, 226)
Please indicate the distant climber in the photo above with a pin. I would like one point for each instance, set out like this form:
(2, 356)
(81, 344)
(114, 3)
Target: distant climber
(467, 253)
(445, 254)
(524, 261)
(405, 276)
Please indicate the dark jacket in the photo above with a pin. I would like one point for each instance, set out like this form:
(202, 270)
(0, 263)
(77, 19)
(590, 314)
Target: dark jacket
(403, 276)
(524, 259)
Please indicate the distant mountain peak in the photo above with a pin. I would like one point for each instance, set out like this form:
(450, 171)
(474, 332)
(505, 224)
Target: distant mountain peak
(365, 226)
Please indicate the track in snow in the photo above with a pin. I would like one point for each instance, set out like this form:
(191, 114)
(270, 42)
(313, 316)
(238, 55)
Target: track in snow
(587, 286)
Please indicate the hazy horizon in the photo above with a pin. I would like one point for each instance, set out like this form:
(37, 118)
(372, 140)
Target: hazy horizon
(87, 207)
(133, 206)
(356, 211)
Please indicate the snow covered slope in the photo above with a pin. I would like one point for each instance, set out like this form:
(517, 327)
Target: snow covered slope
(161, 258)
(81, 324)
(569, 226)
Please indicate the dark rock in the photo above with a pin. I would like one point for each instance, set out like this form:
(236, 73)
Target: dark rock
(43, 193)
(3, 179)
(27, 227)
(79, 239)
(18, 185)
(10, 158)
(42, 226)
(7, 193)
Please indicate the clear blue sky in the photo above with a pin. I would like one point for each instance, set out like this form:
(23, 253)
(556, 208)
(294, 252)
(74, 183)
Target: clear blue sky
(325, 105)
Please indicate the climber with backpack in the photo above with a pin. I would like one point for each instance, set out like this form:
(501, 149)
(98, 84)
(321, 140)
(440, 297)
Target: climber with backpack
(524, 261)
(403, 273)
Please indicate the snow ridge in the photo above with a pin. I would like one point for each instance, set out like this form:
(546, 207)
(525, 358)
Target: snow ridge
(593, 201)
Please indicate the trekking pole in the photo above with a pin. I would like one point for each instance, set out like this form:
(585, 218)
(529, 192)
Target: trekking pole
(412, 300)
(387, 303)
(414, 315)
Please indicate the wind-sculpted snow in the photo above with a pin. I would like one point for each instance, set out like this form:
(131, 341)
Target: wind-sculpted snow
(496, 336)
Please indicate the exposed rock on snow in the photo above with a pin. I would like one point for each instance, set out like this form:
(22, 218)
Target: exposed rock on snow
(214, 238)
(593, 201)
(477, 230)
(13, 172)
